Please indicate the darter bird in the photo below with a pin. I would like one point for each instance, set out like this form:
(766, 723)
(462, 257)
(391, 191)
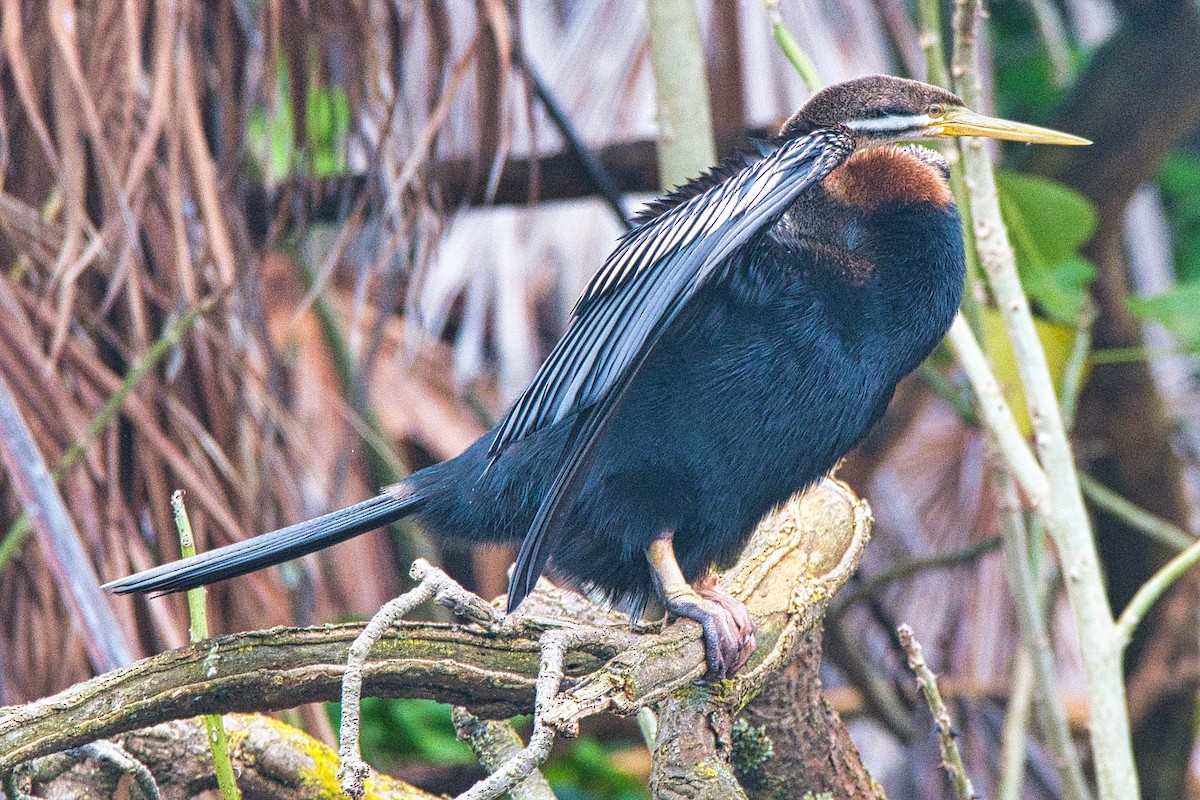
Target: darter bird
(740, 339)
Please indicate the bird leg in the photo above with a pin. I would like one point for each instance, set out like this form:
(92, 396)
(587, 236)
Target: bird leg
(728, 629)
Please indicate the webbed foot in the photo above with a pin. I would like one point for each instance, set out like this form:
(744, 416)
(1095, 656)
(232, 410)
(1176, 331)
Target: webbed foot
(728, 629)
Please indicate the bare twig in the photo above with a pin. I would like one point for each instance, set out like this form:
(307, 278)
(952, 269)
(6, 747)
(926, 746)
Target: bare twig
(1014, 739)
(204, 171)
(117, 756)
(927, 682)
(1064, 514)
(523, 764)
(432, 583)
(16, 59)
(906, 569)
(1026, 595)
(493, 742)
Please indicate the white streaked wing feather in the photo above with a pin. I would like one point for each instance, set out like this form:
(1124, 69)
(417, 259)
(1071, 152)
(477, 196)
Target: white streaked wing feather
(653, 272)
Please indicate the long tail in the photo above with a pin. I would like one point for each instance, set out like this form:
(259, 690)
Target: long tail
(269, 548)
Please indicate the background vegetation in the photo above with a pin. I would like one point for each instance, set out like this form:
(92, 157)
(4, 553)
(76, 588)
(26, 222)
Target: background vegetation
(277, 254)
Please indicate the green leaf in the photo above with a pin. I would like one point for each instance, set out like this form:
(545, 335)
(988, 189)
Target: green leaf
(1048, 223)
(408, 729)
(1058, 219)
(1177, 310)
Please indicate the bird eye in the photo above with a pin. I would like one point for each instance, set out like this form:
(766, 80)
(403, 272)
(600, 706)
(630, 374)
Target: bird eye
(936, 110)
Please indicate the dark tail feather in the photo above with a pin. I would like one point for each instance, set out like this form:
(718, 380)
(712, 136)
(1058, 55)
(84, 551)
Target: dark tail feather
(269, 548)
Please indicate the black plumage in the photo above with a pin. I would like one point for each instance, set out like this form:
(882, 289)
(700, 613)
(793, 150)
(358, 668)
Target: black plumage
(741, 338)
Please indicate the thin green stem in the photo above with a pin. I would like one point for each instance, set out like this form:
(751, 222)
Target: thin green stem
(1014, 737)
(197, 611)
(1127, 355)
(1077, 362)
(198, 632)
(792, 49)
(1026, 594)
(1160, 530)
(1151, 590)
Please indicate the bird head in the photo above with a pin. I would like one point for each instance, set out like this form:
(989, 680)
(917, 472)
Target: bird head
(880, 108)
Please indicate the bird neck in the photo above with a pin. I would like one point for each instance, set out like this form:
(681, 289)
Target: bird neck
(878, 175)
(884, 243)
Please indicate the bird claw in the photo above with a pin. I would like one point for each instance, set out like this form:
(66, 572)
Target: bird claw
(728, 629)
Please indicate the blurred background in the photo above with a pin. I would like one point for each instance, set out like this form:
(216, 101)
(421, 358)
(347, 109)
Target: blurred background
(278, 253)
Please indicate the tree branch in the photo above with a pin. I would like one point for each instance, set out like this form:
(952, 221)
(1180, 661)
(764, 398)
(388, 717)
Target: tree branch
(799, 557)
(273, 761)
(282, 668)
(1064, 513)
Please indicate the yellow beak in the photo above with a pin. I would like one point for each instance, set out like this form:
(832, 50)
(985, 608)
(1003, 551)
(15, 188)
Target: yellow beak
(964, 122)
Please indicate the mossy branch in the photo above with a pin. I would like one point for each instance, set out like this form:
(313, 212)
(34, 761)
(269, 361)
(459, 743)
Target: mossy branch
(274, 761)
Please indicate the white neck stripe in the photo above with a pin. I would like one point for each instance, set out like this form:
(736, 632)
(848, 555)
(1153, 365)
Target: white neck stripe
(891, 123)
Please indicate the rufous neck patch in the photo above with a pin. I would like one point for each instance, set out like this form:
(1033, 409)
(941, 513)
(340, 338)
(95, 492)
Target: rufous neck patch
(874, 176)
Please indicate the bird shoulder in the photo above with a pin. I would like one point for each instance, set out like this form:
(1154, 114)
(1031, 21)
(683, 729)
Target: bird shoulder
(728, 167)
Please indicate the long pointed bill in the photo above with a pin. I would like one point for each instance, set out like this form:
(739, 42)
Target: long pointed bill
(963, 122)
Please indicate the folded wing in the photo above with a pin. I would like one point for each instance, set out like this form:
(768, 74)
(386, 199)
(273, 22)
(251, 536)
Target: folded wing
(652, 275)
